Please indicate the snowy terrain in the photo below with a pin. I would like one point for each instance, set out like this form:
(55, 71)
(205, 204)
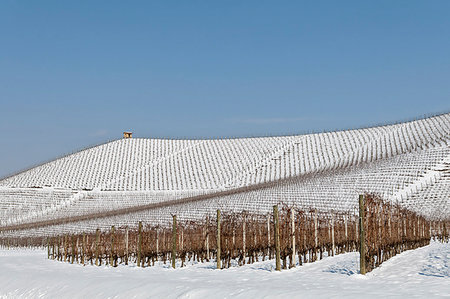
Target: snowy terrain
(147, 179)
(421, 273)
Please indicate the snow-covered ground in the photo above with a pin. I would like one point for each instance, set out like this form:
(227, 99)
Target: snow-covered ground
(423, 273)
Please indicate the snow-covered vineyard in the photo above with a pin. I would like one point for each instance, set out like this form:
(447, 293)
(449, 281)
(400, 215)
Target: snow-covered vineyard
(141, 179)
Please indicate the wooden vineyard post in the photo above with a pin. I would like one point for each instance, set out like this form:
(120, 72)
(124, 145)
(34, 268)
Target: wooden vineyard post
(83, 248)
(234, 241)
(97, 243)
(157, 244)
(65, 248)
(139, 249)
(389, 225)
(268, 236)
(218, 240)
(73, 249)
(111, 254)
(293, 238)
(77, 249)
(53, 248)
(431, 234)
(207, 239)
(59, 249)
(332, 236)
(174, 240)
(346, 233)
(126, 246)
(346, 228)
(316, 235)
(243, 239)
(362, 237)
(277, 238)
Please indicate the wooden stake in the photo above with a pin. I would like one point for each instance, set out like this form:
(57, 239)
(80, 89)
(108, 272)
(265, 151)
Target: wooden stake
(83, 248)
(346, 230)
(139, 253)
(293, 238)
(53, 248)
(218, 240)
(277, 238)
(362, 237)
(65, 248)
(174, 240)
(59, 249)
(207, 243)
(389, 224)
(316, 234)
(111, 253)
(97, 244)
(244, 253)
(332, 236)
(268, 231)
(157, 244)
(126, 246)
(73, 249)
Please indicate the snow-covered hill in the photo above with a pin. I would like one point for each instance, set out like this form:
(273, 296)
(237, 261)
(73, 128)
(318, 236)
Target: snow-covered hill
(149, 179)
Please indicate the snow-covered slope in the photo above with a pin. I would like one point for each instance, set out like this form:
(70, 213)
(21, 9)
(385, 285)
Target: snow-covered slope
(156, 164)
(406, 163)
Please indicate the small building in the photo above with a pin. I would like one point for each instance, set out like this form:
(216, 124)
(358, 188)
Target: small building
(127, 134)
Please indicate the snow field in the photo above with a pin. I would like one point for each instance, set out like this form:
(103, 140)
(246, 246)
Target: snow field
(420, 273)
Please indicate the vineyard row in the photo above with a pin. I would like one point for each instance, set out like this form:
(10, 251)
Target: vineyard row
(289, 235)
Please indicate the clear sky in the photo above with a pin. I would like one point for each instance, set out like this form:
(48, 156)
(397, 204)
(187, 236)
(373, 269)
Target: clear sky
(76, 73)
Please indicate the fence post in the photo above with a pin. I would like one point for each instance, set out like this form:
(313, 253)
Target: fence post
(73, 249)
(126, 246)
(174, 240)
(53, 247)
(243, 240)
(139, 249)
(277, 238)
(83, 248)
(77, 246)
(111, 254)
(218, 240)
(59, 257)
(157, 244)
(207, 239)
(293, 238)
(268, 233)
(332, 236)
(346, 229)
(431, 234)
(316, 235)
(362, 236)
(97, 243)
(65, 248)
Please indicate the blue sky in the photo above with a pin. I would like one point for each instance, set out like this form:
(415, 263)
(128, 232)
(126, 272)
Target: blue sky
(76, 73)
